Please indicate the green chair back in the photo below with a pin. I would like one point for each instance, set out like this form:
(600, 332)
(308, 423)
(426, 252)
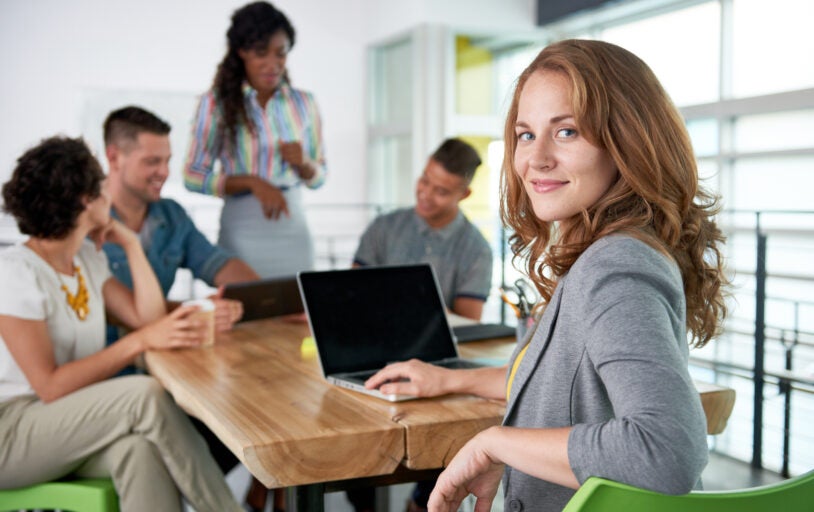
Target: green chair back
(598, 494)
(85, 495)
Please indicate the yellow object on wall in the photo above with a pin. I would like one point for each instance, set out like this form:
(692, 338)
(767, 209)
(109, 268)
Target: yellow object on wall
(473, 96)
(473, 78)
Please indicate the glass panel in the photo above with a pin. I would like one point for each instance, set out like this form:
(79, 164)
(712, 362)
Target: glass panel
(773, 184)
(480, 206)
(392, 97)
(775, 131)
(390, 180)
(704, 136)
(708, 176)
(681, 47)
(773, 45)
(508, 66)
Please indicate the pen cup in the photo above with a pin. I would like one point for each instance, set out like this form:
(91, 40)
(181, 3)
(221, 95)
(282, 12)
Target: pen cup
(206, 313)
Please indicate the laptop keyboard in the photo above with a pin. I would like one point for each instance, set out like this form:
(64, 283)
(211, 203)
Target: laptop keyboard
(361, 376)
(455, 364)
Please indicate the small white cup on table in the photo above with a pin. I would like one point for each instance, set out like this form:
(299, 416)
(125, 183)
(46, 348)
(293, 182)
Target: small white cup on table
(206, 312)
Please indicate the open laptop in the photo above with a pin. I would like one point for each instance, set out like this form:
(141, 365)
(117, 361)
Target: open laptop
(265, 298)
(364, 318)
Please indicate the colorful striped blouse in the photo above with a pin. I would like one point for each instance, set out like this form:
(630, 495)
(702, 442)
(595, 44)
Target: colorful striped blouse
(290, 115)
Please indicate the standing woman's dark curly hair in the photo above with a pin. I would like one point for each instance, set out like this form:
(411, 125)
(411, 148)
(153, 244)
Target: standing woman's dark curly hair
(252, 27)
(51, 185)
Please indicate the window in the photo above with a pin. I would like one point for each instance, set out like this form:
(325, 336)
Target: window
(772, 184)
(681, 47)
(774, 131)
(772, 46)
(704, 136)
(390, 118)
(393, 80)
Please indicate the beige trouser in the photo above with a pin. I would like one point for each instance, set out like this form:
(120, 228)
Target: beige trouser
(128, 429)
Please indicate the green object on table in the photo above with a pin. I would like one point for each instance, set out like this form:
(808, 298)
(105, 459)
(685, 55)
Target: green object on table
(83, 495)
(792, 495)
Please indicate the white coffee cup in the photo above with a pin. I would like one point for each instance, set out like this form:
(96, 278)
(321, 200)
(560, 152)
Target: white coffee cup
(206, 312)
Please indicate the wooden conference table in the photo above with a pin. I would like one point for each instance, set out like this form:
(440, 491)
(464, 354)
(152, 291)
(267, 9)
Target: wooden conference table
(265, 398)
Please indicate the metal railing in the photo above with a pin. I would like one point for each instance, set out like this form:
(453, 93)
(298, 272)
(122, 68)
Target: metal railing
(788, 341)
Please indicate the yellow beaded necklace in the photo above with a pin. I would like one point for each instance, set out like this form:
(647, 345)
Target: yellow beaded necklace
(78, 302)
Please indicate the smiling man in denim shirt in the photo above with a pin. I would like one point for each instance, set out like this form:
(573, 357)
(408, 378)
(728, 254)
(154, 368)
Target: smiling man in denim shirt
(137, 146)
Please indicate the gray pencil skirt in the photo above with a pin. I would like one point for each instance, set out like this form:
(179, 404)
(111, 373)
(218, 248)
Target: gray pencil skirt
(273, 248)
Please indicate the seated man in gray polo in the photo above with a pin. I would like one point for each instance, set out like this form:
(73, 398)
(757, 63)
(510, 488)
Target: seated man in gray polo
(437, 232)
(434, 231)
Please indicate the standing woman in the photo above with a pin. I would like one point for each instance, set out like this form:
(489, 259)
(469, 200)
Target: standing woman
(600, 187)
(60, 413)
(267, 137)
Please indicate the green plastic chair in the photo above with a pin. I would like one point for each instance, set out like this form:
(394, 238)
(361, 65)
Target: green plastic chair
(84, 495)
(792, 495)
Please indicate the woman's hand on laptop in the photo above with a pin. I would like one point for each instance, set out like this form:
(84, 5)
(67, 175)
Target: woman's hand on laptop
(413, 377)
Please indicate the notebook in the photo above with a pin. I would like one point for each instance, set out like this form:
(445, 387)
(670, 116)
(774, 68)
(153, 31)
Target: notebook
(364, 318)
(265, 298)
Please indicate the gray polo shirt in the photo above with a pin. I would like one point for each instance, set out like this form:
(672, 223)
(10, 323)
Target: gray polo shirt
(460, 256)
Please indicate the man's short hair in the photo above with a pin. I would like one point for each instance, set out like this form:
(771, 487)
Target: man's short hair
(458, 157)
(125, 125)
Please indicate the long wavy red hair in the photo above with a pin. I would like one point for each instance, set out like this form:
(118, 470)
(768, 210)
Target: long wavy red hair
(620, 106)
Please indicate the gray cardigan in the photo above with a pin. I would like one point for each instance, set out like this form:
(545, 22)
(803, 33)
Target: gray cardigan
(609, 358)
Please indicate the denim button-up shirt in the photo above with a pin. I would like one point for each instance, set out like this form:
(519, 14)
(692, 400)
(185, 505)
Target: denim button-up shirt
(171, 241)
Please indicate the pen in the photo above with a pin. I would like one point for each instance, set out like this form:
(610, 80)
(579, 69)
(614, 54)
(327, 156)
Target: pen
(510, 303)
(523, 307)
(525, 296)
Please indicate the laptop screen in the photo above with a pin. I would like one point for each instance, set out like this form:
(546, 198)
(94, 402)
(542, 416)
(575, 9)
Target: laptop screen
(367, 317)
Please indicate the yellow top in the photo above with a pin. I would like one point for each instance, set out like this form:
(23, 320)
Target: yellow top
(514, 370)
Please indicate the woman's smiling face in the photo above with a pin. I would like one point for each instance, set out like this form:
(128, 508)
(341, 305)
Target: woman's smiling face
(562, 172)
(265, 63)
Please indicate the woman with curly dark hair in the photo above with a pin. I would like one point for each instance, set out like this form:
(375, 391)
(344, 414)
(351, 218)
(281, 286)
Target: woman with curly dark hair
(266, 135)
(57, 401)
(600, 187)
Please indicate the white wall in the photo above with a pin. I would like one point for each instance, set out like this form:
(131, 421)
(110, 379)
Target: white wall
(60, 58)
(65, 63)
